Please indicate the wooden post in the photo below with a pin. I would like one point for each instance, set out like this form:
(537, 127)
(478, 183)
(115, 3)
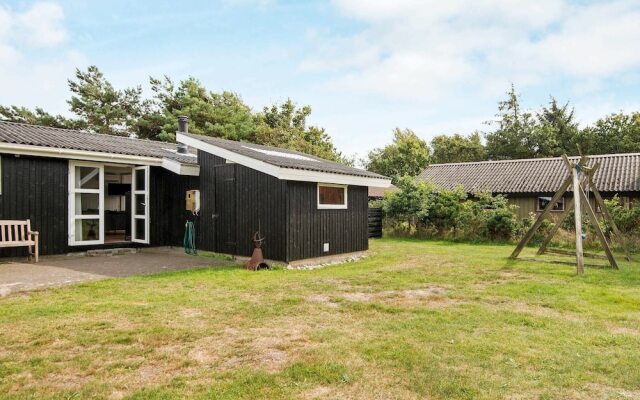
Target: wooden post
(578, 214)
(599, 233)
(608, 218)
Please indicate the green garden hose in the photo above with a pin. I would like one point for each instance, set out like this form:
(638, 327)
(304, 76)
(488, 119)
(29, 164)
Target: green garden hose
(189, 241)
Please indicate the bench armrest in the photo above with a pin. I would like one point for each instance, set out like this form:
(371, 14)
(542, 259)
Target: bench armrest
(34, 233)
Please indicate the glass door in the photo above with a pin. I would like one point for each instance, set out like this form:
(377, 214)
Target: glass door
(86, 203)
(140, 204)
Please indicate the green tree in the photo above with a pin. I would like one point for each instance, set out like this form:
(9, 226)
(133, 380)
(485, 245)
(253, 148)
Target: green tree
(556, 132)
(102, 108)
(457, 148)
(221, 115)
(38, 117)
(515, 134)
(407, 155)
(615, 133)
(285, 125)
(98, 103)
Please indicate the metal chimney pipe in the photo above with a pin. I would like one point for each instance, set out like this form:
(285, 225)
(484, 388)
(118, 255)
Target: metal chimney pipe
(183, 127)
(183, 124)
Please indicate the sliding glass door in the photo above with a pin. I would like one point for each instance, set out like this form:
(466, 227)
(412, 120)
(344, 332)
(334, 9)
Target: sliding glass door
(140, 205)
(86, 203)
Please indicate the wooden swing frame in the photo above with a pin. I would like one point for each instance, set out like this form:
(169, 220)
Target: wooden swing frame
(581, 203)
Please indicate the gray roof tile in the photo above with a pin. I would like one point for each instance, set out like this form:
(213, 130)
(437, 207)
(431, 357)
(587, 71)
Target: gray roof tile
(35, 135)
(285, 158)
(617, 173)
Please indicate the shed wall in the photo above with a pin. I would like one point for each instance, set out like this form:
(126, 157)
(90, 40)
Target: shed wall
(345, 230)
(236, 202)
(528, 204)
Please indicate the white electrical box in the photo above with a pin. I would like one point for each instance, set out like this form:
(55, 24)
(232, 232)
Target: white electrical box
(193, 201)
(325, 248)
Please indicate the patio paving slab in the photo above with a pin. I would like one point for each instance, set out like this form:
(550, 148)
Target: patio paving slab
(53, 271)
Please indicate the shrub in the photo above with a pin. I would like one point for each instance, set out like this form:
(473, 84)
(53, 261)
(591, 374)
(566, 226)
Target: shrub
(423, 210)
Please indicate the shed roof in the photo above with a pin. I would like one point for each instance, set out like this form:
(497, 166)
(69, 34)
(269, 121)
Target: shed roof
(281, 158)
(617, 173)
(44, 136)
(379, 192)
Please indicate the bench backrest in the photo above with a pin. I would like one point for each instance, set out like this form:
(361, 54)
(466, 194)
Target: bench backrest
(14, 231)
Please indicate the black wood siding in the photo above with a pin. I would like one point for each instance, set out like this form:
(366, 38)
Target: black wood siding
(167, 206)
(35, 188)
(236, 201)
(261, 203)
(206, 234)
(345, 230)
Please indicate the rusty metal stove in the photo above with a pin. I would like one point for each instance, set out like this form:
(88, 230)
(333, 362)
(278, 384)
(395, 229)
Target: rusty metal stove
(256, 261)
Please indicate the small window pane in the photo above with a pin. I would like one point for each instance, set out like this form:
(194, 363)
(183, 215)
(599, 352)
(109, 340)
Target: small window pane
(544, 201)
(330, 195)
(87, 229)
(140, 204)
(87, 204)
(87, 178)
(140, 228)
(140, 181)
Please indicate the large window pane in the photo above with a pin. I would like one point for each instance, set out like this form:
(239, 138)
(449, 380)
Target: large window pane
(140, 227)
(140, 204)
(87, 229)
(87, 178)
(331, 195)
(140, 181)
(87, 204)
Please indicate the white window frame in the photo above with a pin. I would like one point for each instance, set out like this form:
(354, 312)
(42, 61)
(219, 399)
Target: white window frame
(332, 206)
(72, 203)
(561, 201)
(135, 216)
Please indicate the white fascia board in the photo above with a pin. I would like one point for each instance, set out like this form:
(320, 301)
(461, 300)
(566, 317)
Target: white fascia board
(181, 169)
(289, 174)
(53, 152)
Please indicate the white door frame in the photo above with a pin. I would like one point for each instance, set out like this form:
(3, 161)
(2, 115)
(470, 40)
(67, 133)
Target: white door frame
(134, 216)
(72, 203)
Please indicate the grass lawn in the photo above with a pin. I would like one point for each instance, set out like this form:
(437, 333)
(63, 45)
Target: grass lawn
(416, 320)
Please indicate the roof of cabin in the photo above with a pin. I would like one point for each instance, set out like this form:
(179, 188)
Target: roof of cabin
(379, 192)
(284, 158)
(617, 173)
(44, 136)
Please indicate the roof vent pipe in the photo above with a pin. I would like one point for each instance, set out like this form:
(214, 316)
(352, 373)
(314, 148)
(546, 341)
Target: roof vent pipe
(183, 124)
(183, 127)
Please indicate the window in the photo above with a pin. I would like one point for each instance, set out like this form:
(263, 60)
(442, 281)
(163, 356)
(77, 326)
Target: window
(544, 201)
(332, 196)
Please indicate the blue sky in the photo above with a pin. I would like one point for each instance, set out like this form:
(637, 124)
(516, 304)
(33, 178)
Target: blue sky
(365, 67)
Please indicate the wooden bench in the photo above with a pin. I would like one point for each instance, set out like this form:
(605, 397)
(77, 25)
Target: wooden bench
(19, 234)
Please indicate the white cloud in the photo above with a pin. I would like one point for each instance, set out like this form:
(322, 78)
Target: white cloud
(42, 25)
(29, 75)
(425, 49)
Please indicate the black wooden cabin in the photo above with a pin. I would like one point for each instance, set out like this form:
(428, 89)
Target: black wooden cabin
(86, 191)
